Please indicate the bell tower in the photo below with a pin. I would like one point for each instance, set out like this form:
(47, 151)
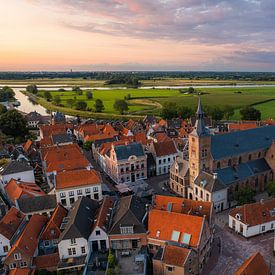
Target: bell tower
(199, 146)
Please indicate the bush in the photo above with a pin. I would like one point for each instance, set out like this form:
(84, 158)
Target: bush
(250, 113)
(81, 105)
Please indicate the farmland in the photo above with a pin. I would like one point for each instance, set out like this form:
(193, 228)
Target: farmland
(150, 100)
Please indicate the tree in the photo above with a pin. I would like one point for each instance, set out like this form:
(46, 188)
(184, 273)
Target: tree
(6, 94)
(48, 95)
(70, 102)
(89, 95)
(81, 105)
(215, 112)
(271, 188)
(244, 195)
(99, 107)
(77, 90)
(111, 259)
(57, 99)
(32, 89)
(184, 112)
(88, 145)
(228, 111)
(121, 106)
(250, 113)
(12, 123)
(3, 109)
(168, 110)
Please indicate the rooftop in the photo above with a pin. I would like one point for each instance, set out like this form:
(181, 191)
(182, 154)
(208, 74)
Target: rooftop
(14, 167)
(123, 152)
(165, 148)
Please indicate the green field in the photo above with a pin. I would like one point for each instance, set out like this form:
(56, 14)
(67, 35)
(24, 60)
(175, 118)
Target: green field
(150, 100)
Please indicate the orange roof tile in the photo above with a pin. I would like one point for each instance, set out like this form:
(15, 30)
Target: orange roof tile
(28, 241)
(49, 130)
(174, 255)
(10, 222)
(162, 137)
(254, 265)
(163, 122)
(46, 261)
(21, 271)
(74, 178)
(167, 222)
(52, 229)
(141, 138)
(165, 148)
(27, 145)
(242, 125)
(17, 189)
(255, 213)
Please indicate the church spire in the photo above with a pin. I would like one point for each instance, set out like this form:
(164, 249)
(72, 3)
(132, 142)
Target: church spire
(200, 129)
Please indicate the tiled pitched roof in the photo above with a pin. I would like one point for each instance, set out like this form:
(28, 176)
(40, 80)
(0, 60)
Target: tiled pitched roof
(254, 265)
(46, 261)
(28, 241)
(52, 229)
(27, 145)
(21, 271)
(242, 125)
(166, 222)
(165, 148)
(162, 137)
(174, 255)
(74, 178)
(255, 213)
(10, 222)
(17, 189)
(106, 147)
(49, 130)
(184, 206)
(141, 138)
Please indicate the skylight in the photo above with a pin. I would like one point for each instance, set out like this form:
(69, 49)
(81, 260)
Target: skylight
(175, 236)
(186, 238)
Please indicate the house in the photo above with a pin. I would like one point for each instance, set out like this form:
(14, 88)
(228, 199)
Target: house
(127, 229)
(98, 240)
(164, 154)
(167, 225)
(254, 265)
(73, 246)
(72, 185)
(62, 158)
(42, 205)
(16, 189)
(50, 235)
(11, 225)
(46, 263)
(173, 259)
(253, 219)
(58, 117)
(16, 170)
(179, 177)
(34, 119)
(126, 163)
(25, 248)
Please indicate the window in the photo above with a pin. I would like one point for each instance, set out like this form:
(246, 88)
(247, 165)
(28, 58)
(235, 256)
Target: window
(73, 241)
(158, 234)
(137, 175)
(121, 170)
(229, 162)
(169, 268)
(71, 200)
(142, 165)
(272, 226)
(95, 189)
(127, 230)
(97, 232)
(12, 265)
(71, 193)
(218, 165)
(240, 160)
(127, 169)
(169, 159)
(83, 251)
(79, 192)
(63, 202)
(23, 264)
(47, 243)
(5, 248)
(17, 256)
(71, 251)
(196, 190)
(259, 155)
(204, 153)
(142, 174)
(263, 228)
(88, 190)
(96, 196)
(137, 167)
(207, 197)
(201, 194)
(62, 195)
(160, 161)
(164, 160)
(249, 157)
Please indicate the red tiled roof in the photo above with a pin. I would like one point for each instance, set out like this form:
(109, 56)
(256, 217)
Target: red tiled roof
(21, 271)
(17, 189)
(52, 229)
(242, 125)
(106, 147)
(53, 129)
(255, 213)
(141, 138)
(165, 148)
(46, 261)
(174, 255)
(184, 206)
(166, 222)
(10, 222)
(162, 122)
(254, 265)
(28, 241)
(74, 178)
(27, 145)
(162, 137)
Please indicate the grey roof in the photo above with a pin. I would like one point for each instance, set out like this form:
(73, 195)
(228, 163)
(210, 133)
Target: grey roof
(237, 143)
(209, 182)
(129, 210)
(61, 138)
(80, 219)
(59, 117)
(132, 149)
(199, 128)
(37, 204)
(15, 167)
(243, 171)
(183, 166)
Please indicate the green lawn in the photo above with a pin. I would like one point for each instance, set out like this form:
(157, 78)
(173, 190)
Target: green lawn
(236, 97)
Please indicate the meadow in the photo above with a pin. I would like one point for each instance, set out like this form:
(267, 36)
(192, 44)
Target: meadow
(150, 100)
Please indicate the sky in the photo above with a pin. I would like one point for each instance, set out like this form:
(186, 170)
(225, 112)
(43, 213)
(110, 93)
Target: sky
(230, 35)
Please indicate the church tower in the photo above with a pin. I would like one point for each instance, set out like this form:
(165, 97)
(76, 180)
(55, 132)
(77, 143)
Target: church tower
(199, 146)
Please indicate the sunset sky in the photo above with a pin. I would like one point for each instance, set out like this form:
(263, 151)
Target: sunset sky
(236, 35)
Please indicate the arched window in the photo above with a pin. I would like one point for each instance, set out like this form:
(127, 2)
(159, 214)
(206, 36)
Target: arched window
(249, 157)
(259, 155)
(240, 160)
(229, 162)
(218, 165)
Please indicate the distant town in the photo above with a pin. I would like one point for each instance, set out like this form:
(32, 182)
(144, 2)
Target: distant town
(149, 195)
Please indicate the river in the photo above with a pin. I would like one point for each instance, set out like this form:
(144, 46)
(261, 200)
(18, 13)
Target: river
(27, 105)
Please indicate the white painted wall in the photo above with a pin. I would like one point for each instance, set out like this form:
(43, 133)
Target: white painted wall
(64, 245)
(102, 236)
(4, 242)
(164, 167)
(27, 176)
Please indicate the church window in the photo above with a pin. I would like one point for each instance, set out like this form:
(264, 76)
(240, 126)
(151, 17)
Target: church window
(218, 165)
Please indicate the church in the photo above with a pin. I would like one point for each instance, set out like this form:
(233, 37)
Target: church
(220, 165)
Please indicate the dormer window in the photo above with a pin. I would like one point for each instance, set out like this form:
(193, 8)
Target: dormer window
(126, 229)
(158, 234)
(238, 216)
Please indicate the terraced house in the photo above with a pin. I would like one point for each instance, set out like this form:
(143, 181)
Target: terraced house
(220, 165)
